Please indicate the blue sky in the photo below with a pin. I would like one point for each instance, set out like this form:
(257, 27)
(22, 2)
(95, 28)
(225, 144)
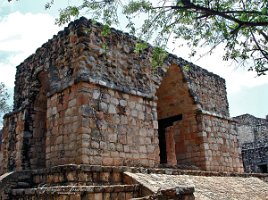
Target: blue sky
(25, 25)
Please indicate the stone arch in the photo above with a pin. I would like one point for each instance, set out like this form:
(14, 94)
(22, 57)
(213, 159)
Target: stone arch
(37, 153)
(178, 127)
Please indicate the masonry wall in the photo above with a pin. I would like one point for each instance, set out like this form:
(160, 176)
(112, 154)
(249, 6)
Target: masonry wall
(255, 156)
(251, 128)
(203, 139)
(80, 61)
(220, 144)
(13, 148)
(173, 95)
(208, 89)
(253, 138)
(89, 124)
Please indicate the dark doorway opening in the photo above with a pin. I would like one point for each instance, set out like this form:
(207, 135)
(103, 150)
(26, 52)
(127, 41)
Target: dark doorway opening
(162, 125)
(38, 140)
(263, 168)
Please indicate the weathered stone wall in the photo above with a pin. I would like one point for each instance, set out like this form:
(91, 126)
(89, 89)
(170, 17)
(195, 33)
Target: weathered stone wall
(246, 133)
(253, 139)
(89, 124)
(208, 142)
(70, 182)
(78, 54)
(24, 136)
(222, 151)
(208, 89)
(173, 95)
(212, 146)
(14, 146)
(255, 156)
(251, 128)
(188, 144)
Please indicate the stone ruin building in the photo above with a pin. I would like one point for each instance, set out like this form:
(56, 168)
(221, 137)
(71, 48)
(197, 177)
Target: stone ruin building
(76, 102)
(86, 105)
(253, 139)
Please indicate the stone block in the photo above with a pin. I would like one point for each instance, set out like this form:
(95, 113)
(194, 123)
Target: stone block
(96, 94)
(115, 154)
(103, 107)
(129, 195)
(95, 145)
(121, 195)
(71, 176)
(114, 101)
(112, 138)
(85, 159)
(112, 109)
(72, 103)
(105, 177)
(123, 103)
(108, 161)
(106, 196)
(131, 104)
(87, 111)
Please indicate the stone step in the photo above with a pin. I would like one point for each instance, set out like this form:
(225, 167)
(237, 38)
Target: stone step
(93, 176)
(24, 177)
(122, 192)
(23, 185)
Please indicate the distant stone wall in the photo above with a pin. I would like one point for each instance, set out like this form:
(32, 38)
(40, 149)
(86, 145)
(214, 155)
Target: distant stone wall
(253, 140)
(251, 128)
(255, 156)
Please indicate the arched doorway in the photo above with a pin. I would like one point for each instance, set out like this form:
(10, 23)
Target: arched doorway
(176, 118)
(38, 148)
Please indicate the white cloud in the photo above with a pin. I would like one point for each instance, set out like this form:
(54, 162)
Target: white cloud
(21, 34)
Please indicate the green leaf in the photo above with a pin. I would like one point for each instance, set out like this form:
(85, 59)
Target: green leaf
(158, 57)
(186, 67)
(105, 30)
(135, 6)
(140, 47)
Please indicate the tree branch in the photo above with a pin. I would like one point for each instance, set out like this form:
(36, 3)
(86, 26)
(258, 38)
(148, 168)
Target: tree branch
(264, 35)
(224, 14)
(263, 52)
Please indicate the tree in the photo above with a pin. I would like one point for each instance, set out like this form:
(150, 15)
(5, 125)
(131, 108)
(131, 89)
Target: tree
(4, 96)
(241, 25)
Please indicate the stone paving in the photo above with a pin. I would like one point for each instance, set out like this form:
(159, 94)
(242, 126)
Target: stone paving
(207, 188)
